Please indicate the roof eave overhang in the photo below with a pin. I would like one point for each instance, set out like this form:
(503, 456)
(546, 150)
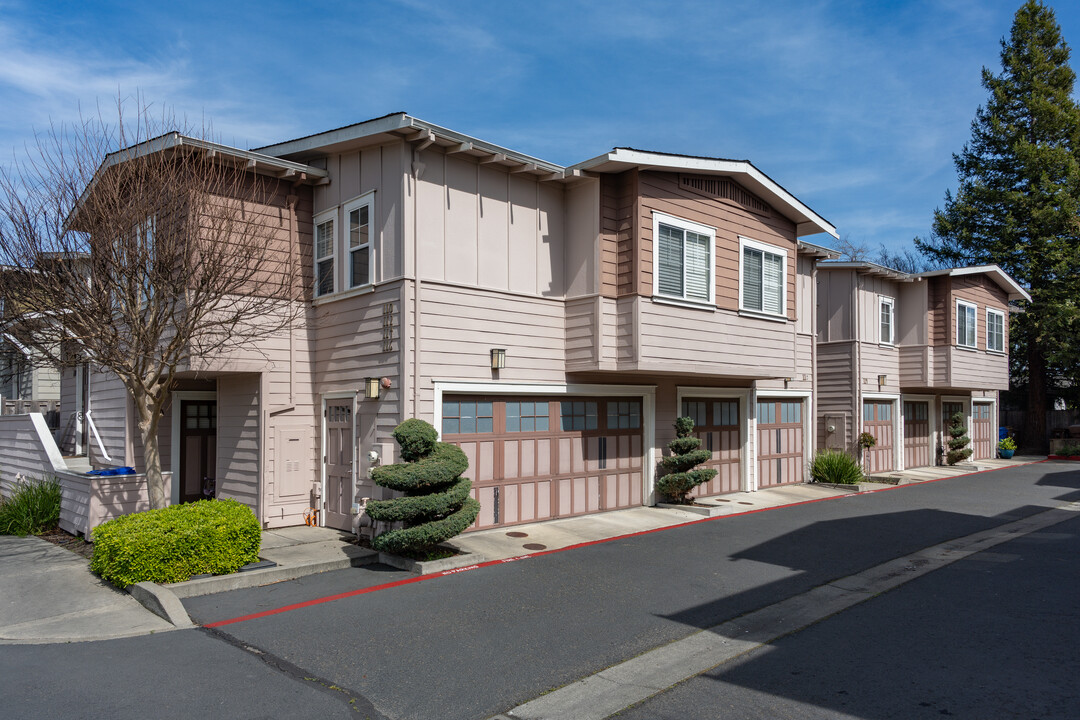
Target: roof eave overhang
(871, 269)
(1005, 281)
(807, 222)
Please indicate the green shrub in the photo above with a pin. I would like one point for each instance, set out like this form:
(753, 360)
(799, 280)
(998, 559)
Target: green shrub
(835, 466)
(436, 505)
(958, 440)
(172, 544)
(1006, 443)
(1069, 449)
(33, 508)
(686, 453)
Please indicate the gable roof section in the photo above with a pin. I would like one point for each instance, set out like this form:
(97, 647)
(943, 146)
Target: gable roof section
(807, 222)
(994, 271)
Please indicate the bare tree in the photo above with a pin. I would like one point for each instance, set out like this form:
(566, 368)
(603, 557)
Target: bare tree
(851, 250)
(906, 260)
(144, 248)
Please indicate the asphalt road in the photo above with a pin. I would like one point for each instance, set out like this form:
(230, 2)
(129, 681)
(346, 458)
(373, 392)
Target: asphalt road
(480, 642)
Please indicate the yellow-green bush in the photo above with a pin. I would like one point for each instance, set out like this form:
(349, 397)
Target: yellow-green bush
(172, 544)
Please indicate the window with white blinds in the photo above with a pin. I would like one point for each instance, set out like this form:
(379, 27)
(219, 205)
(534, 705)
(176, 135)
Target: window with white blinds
(762, 278)
(684, 264)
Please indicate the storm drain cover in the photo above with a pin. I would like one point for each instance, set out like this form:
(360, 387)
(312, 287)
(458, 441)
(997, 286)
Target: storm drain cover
(517, 534)
(534, 546)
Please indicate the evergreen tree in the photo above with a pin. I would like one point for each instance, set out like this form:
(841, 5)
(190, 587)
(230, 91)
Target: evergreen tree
(958, 440)
(1018, 203)
(686, 453)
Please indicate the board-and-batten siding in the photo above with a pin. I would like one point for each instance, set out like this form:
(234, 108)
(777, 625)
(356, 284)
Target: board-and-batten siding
(662, 192)
(835, 291)
(481, 226)
(836, 392)
(379, 169)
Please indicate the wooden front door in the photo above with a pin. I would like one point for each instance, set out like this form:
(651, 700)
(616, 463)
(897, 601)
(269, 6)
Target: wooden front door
(198, 449)
(716, 424)
(982, 432)
(780, 442)
(878, 421)
(338, 461)
(916, 434)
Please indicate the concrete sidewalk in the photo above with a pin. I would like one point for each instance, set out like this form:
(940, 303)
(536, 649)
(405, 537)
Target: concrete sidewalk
(48, 594)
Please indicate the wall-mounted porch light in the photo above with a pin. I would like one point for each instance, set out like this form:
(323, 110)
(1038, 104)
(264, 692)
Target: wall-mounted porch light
(881, 380)
(371, 388)
(498, 358)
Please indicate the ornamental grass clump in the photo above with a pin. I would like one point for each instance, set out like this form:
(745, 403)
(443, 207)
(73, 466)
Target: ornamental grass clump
(436, 505)
(686, 453)
(34, 507)
(958, 440)
(213, 537)
(837, 467)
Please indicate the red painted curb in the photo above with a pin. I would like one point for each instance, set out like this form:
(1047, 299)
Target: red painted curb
(541, 553)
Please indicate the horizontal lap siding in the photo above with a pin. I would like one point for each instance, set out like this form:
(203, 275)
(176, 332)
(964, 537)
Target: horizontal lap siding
(878, 360)
(23, 452)
(915, 366)
(835, 391)
(976, 369)
(238, 439)
(109, 402)
(662, 192)
(721, 342)
(583, 338)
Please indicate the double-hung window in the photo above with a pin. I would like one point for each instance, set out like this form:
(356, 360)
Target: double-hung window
(763, 274)
(995, 330)
(325, 240)
(358, 214)
(684, 259)
(965, 324)
(885, 322)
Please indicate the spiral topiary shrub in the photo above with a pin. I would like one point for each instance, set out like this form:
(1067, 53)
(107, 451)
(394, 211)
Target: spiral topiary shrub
(686, 451)
(958, 440)
(436, 505)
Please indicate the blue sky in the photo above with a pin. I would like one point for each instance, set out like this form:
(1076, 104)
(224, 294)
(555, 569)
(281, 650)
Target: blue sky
(855, 108)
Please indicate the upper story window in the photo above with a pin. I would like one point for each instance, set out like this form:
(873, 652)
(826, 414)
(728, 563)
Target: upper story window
(325, 241)
(966, 335)
(763, 277)
(357, 228)
(352, 244)
(995, 330)
(684, 259)
(885, 322)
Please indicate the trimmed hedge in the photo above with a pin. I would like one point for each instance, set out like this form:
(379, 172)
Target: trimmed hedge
(172, 544)
(686, 453)
(436, 505)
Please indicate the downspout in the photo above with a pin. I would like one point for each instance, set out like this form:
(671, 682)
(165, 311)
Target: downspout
(291, 202)
(417, 173)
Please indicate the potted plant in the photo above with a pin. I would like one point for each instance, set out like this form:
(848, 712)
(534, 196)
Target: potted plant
(866, 441)
(1006, 447)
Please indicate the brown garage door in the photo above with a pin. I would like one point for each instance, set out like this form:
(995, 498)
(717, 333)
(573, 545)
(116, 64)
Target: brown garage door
(878, 421)
(780, 442)
(982, 431)
(716, 424)
(916, 434)
(534, 459)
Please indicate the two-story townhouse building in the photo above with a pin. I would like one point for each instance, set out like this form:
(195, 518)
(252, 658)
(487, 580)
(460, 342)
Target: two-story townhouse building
(552, 321)
(899, 354)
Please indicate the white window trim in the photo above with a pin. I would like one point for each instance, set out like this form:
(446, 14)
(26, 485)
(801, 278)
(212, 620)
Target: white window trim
(745, 242)
(884, 300)
(174, 434)
(1000, 314)
(693, 227)
(975, 333)
(324, 216)
(368, 199)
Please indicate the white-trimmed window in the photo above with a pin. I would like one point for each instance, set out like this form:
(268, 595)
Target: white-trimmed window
(763, 277)
(358, 216)
(966, 335)
(325, 240)
(886, 332)
(995, 330)
(684, 259)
